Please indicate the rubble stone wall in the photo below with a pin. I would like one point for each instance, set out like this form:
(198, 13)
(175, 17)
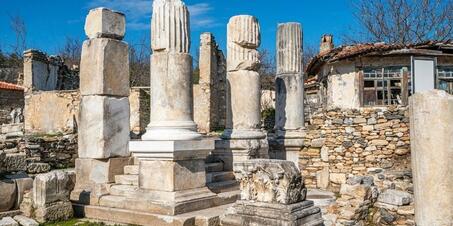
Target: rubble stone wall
(9, 100)
(51, 112)
(35, 154)
(342, 143)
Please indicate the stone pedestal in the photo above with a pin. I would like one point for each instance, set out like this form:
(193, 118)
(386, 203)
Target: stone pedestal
(172, 174)
(289, 110)
(431, 128)
(272, 193)
(231, 151)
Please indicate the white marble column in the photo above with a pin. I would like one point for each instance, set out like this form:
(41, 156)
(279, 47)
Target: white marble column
(243, 138)
(171, 153)
(244, 90)
(171, 74)
(289, 112)
(431, 117)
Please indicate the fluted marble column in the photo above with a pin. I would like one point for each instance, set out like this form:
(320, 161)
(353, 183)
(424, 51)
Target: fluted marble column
(290, 90)
(243, 105)
(171, 74)
(243, 138)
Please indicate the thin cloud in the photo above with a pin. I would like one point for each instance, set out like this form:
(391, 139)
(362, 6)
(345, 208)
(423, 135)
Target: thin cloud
(138, 13)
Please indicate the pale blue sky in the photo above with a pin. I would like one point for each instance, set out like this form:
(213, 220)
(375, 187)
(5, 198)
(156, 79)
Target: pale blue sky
(48, 22)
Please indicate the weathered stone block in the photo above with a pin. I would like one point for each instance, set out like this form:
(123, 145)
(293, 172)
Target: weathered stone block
(270, 181)
(51, 187)
(25, 221)
(172, 176)
(105, 23)
(395, 197)
(103, 127)
(23, 185)
(57, 211)
(14, 162)
(35, 168)
(91, 171)
(244, 213)
(8, 221)
(104, 68)
(8, 195)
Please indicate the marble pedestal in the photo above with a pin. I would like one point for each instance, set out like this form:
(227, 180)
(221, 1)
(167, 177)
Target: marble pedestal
(172, 174)
(247, 213)
(290, 143)
(235, 150)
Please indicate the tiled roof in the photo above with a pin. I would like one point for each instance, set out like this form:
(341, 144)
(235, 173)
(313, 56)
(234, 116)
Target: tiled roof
(10, 86)
(364, 49)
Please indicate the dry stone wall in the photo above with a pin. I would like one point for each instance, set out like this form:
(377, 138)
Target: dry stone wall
(341, 143)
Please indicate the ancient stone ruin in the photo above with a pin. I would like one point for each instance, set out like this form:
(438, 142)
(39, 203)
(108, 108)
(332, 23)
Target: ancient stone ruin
(78, 145)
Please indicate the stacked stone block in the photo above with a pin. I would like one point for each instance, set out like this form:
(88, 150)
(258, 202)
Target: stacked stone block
(104, 108)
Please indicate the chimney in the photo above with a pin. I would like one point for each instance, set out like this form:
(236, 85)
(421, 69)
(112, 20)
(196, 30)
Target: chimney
(326, 44)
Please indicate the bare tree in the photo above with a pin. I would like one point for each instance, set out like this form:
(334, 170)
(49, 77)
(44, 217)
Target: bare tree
(310, 51)
(139, 61)
(17, 24)
(71, 51)
(403, 21)
(267, 69)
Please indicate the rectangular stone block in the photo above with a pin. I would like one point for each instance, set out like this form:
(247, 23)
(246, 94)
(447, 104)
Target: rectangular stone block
(103, 127)
(51, 187)
(105, 23)
(104, 68)
(57, 211)
(172, 176)
(14, 162)
(91, 171)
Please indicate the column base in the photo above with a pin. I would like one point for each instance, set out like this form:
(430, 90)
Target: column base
(290, 143)
(165, 131)
(247, 213)
(238, 150)
(232, 134)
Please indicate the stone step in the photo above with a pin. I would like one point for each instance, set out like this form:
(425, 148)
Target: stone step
(214, 177)
(214, 167)
(209, 216)
(124, 190)
(223, 186)
(126, 179)
(131, 170)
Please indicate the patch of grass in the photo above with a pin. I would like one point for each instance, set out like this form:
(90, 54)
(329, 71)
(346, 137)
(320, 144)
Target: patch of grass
(72, 222)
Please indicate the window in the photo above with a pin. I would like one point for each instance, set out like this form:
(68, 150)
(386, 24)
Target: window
(445, 78)
(385, 86)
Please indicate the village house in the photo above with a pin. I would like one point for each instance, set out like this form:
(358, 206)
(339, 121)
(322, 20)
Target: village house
(375, 74)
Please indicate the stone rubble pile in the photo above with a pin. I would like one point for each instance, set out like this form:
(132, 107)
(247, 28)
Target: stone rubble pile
(356, 197)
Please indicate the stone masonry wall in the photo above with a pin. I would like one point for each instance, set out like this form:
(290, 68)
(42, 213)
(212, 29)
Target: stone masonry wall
(342, 143)
(51, 112)
(35, 153)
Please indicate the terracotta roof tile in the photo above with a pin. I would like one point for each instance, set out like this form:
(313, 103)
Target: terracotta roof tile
(345, 52)
(10, 86)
